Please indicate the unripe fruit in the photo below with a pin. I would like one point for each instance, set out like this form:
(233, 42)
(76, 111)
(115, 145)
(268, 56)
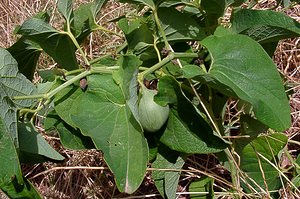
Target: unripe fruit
(152, 116)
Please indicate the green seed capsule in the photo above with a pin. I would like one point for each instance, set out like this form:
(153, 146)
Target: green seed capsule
(152, 116)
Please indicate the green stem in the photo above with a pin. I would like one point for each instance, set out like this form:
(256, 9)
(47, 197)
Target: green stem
(157, 66)
(233, 170)
(26, 97)
(67, 83)
(141, 68)
(162, 32)
(85, 73)
(105, 69)
(170, 57)
(72, 72)
(107, 30)
(122, 46)
(78, 47)
(48, 96)
(156, 49)
(93, 61)
(40, 107)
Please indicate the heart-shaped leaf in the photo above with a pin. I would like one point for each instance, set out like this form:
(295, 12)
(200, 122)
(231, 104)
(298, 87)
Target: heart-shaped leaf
(12, 83)
(12, 182)
(85, 19)
(261, 26)
(114, 130)
(179, 26)
(241, 64)
(186, 131)
(57, 44)
(27, 54)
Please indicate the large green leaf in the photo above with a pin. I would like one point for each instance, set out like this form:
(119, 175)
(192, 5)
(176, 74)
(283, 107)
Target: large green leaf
(12, 83)
(204, 185)
(102, 113)
(12, 182)
(256, 158)
(198, 74)
(261, 26)
(126, 78)
(27, 54)
(214, 9)
(65, 8)
(57, 44)
(8, 114)
(85, 19)
(186, 131)
(167, 181)
(69, 137)
(241, 64)
(66, 103)
(179, 26)
(9, 158)
(138, 35)
(33, 143)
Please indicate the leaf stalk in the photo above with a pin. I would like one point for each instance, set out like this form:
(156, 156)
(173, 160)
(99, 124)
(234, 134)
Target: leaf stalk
(164, 61)
(71, 36)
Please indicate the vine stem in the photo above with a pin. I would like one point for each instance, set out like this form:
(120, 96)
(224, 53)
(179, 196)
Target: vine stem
(107, 30)
(68, 83)
(78, 47)
(25, 97)
(162, 32)
(48, 96)
(156, 49)
(45, 98)
(164, 61)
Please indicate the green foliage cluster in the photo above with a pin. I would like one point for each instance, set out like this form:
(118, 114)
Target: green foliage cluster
(195, 64)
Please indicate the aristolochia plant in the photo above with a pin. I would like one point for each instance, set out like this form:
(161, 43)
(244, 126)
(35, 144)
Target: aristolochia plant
(158, 98)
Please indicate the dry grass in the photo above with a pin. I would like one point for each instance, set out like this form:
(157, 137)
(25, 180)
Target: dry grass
(84, 174)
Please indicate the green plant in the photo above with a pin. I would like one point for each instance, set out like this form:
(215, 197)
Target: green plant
(200, 64)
